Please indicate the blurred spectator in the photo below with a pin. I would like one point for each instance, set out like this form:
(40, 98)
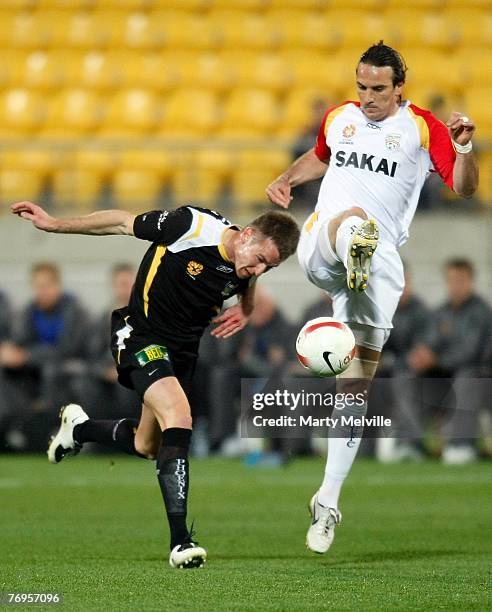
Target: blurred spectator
(103, 396)
(456, 347)
(307, 193)
(321, 308)
(46, 352)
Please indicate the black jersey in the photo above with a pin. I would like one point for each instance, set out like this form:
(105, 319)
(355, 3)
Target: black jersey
(185, 276)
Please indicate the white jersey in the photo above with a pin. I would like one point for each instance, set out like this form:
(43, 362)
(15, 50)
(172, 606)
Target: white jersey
(381, 166)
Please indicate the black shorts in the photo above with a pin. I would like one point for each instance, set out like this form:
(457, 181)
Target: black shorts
(142, 358)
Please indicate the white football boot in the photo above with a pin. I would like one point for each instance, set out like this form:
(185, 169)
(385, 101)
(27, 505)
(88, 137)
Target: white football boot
(361, 249)
(321, 532)
(62, 443)
(187, 556)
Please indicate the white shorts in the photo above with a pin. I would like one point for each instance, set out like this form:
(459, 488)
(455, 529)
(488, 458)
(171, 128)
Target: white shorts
(377, 305)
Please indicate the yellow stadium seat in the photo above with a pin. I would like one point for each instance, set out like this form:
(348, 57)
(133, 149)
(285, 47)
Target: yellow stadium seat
(242, 29)
(485, 184)
(91, 70)
(200, 69)
(255, 169)
(133, 30)
(185, 30)
(122, 4)
(299, 4)
(432, 69)
(250, 112)
(17, 185)
(35, 70)
(262, 70)
(297, 110)
(23, 173)
(157, 71)
(365, 5)
(357, 29)
(73, 113)
(132, 111)
(480, 4)
(21, 112)
(299, 28)
(137, 190)
(477, 105)
(190, 113)
(250, 5)
(415, 28)
(76, 29)
(23, 29)
(66, 4)
(314, 69)
(418, 4)
(19, 4)
(180, 4)
(473, 65)
(470, 28)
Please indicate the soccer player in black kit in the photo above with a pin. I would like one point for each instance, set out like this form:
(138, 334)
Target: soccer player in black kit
(197, 259)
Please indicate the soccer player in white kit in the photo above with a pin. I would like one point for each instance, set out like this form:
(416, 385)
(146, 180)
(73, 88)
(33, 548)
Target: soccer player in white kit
(374, 155)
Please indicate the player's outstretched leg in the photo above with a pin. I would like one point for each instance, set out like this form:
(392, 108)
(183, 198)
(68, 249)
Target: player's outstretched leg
(173, 476)
(63, 443)
(76, 428)
(321, 532)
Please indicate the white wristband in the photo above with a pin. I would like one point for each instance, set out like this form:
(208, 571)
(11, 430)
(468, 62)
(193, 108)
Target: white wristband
(463, 148)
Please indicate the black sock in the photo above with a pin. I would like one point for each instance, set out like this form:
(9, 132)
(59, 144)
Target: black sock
(118, 434)
(173, 477)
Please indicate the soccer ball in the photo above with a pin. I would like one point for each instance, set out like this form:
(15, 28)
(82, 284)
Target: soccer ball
(325, 346)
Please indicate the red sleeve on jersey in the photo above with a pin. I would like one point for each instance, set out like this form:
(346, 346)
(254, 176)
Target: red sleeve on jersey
(322, 150)
(441, 149)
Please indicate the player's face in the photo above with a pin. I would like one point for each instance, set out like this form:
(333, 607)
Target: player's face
(459, 283)
(122, 286)
(254, 255)
(379, 98)
(46, 289)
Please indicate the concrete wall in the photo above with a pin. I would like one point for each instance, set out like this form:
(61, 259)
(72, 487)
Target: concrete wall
(86, 260)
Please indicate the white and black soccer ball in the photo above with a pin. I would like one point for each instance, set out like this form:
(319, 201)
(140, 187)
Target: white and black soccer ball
(325, 346)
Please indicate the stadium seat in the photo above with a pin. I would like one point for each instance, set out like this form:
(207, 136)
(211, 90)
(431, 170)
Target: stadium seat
(297, 110)
(200, 69)
(23, 30)
(92, 70)
(473, 66)
(470, 28)
(185, 30)
(21, 112)
(259, 69)
(485, 184)
(66, 4)
(305, 29)
(249, 112)
(356, 29)
(137, 190)
(76, 29)
(34, 70)
(250, 5)
(432, 69)
(237, 29)
(73, 113)
(187, 5)
(146, 70)
(299, 4)
(24, 173)
(190, 113)
(419, 29)
(477, 105)
(132, 111)
(255, 169)
(313, 69)
(133, 30)
(418, 4)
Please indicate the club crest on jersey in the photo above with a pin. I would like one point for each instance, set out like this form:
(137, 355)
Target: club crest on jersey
(194, 269)
(393, 141)
(348, 131)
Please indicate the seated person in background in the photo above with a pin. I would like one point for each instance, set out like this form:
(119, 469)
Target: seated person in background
(5, 332)
(104, 397)
(46, 352)
(455, 347)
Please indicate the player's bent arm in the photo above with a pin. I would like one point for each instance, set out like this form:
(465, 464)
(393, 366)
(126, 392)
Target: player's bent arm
(104, 222)
(307, 167)
(465, 175)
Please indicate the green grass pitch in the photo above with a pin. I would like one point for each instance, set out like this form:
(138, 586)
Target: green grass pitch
(414, 537)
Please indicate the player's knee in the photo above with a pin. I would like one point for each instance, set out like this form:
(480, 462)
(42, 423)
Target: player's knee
(355, 211)
(146, 448)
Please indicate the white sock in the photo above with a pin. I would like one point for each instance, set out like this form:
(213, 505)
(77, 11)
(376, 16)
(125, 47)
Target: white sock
(344, 236)
(339, 461)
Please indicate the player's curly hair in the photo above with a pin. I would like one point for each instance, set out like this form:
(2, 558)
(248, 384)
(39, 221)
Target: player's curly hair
(380, 55)
(282, 228)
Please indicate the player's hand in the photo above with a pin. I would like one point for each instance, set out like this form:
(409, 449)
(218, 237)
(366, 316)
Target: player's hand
(230, 322)
(421, 358)
(12, 356)
(460, 128)
(32, 212)
(278, 192)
